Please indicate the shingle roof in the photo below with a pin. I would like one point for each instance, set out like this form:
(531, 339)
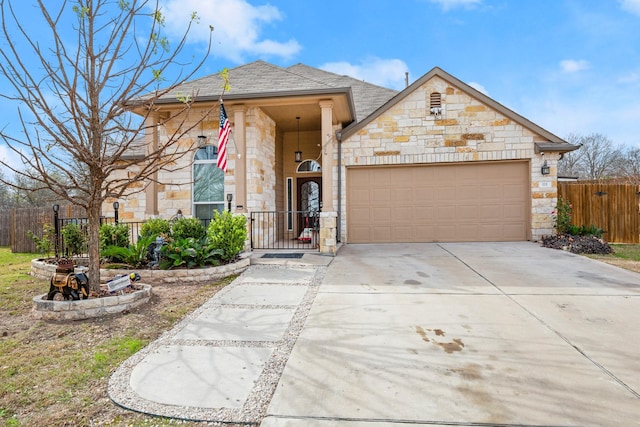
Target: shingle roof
(260, 78)
(367, 97)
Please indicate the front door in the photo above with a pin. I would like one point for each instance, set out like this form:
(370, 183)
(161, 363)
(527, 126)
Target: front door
(309, 199)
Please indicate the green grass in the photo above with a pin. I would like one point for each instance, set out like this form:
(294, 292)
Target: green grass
(56, 373)
(626, 251)
(16, 286)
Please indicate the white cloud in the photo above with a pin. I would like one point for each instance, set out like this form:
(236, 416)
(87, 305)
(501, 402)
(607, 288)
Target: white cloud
(573, 65)
(11, 158)
(237, 27)
(452, 4)
(479, 88)
(383, 72)
(629, 78)
(632, 6)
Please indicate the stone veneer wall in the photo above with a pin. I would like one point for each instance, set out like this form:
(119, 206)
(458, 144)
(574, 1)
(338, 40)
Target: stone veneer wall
(261, 179)
(174, 192)
(467, 131)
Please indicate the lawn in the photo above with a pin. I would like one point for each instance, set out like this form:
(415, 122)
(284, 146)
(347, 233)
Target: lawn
(56, 373)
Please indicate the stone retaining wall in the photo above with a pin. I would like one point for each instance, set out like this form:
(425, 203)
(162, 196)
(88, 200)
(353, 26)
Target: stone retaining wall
(88, 308)
(42, 270)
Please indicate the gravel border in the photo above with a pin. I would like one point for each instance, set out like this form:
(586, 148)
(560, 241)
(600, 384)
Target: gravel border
(255, 406)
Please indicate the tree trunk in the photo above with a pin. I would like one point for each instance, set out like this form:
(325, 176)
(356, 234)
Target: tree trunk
(93, 214)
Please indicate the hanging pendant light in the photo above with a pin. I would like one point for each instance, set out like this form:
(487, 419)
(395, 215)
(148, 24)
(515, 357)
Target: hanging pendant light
(298, 153)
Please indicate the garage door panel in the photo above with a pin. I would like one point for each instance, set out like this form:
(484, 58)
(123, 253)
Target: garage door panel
(454, 202)
(381, 214)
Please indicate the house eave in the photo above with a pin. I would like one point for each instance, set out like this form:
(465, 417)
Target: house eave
(559, 147)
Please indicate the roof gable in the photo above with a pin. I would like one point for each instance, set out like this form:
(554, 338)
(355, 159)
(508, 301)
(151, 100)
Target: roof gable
(474, 93)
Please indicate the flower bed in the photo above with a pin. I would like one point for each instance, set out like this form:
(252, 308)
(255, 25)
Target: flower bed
(43, 270)
(89, 308)
(97, 307)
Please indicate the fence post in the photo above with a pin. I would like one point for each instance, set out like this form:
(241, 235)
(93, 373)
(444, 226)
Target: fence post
(56, 227)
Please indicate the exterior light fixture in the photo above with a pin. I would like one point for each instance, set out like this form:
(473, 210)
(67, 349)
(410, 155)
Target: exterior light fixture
(202, 140)
(116, 205)
(229, 199)
(298, 154)
(545, 169)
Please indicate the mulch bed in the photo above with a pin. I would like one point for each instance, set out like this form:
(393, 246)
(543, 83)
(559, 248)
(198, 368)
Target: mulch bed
(577, 244)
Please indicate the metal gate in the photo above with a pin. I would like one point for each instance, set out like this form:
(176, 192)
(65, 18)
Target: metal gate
(285, 229)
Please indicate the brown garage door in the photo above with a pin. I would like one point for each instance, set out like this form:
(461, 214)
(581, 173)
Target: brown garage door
(438, 203)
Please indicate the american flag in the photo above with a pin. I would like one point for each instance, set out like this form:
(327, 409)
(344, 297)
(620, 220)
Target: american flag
(223, 138)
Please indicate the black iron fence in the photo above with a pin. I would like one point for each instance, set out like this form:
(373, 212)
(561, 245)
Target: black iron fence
(285, 229)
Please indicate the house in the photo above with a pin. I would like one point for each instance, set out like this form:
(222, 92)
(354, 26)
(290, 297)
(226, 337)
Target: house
(437, 161)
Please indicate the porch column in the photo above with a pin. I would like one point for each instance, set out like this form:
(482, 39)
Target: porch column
(151, 145)
(240, 174)
(326, 141)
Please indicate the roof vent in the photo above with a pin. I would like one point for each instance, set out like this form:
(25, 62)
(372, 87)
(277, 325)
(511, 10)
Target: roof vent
(435, 104)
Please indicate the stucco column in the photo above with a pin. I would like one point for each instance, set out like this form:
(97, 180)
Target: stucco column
(239, 136)
(327, 155)
(151, 145)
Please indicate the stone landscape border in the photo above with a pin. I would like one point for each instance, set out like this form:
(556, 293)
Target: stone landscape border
(43, 270)
(95, 307)
(89, 308)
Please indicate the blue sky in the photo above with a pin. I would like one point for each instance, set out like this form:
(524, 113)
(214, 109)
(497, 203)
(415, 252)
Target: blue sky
(570, 66)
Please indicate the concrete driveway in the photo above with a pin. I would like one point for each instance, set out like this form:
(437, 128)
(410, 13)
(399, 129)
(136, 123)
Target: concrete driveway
(481, 334)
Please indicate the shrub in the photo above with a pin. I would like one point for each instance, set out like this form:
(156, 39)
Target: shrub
(155, 226)
(114, 235)
(133, 255)
(227, 233)
(562, 216)
(75, 238)
(189, 253)
(184, 228)
(44, 244)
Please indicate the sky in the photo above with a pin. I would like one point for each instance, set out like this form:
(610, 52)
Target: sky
(570, 66)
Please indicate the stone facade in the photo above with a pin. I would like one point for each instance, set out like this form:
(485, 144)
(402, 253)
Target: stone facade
(465, 131)
(467, 127)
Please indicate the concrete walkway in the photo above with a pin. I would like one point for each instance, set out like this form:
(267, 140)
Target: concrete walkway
(482, 334)
(223, 362)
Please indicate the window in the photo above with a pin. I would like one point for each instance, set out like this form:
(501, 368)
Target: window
(309, 166)
(208, 183)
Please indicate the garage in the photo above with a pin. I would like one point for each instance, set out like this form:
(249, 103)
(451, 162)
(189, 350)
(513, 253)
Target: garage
(463, 202)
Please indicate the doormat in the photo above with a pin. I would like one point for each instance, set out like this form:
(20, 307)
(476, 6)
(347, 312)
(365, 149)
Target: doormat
(284, 255)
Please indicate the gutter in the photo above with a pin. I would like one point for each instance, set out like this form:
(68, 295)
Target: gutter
(339, 220)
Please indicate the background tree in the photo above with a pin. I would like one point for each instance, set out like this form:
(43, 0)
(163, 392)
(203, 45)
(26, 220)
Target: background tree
(74, 98)
(598, 158)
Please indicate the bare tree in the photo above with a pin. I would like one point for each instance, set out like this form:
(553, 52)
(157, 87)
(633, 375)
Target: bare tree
(631, 164)
(598, 158)
(74, 98)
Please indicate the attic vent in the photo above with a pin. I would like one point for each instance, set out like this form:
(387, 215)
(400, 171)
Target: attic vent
(435, 104)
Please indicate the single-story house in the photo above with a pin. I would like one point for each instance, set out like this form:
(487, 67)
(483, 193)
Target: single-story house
(436, 162)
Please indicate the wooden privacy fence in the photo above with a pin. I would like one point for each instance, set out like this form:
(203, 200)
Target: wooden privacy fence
(612, 207)
(17, 223)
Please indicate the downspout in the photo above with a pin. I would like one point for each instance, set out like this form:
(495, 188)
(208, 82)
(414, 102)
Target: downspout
(339, 138)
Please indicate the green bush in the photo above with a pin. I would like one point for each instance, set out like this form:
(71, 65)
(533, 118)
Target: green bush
(114, 235)
(585, 230)
(227, 233)
(75, 238)
(155, 226)
(44, 244)
(133, 255)
(562, 216)
(184, 228)
(188, 253)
